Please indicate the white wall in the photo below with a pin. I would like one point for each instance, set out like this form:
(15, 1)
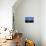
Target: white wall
(43, 22)
(30, 30)
(6, 13)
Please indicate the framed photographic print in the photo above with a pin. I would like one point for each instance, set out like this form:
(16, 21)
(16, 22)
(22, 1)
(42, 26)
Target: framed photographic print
(29, 19)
